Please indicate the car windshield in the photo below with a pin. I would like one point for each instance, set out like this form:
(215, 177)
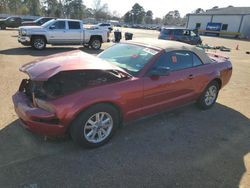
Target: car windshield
(129, 57)
(8, 18)
(48, 23)
(38, 19)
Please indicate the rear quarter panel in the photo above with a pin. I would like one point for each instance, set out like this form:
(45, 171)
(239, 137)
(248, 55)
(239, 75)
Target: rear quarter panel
(220, 69)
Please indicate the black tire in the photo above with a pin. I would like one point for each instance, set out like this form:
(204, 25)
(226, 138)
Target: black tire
(38, 42)
(86, 45)
(95, 43)
(202, 102)
(2, 27)
(78, 128)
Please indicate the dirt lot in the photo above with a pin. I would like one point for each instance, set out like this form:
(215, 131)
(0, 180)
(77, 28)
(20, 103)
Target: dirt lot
(182, 148)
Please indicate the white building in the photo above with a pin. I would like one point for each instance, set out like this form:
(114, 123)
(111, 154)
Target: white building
(229, 22)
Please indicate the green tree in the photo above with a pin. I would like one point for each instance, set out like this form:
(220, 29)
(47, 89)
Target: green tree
(100, 10)
(88, 13)
(148, 17)
(59, 10)
(138, 13)
(14, 6)
(172, 18)
(74, 9)
(4, 6)
(50, 7)
(33, 6)
(157, 21)
(198, 11)
(127, 17)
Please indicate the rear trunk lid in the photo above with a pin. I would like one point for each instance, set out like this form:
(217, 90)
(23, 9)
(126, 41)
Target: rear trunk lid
(216, 57)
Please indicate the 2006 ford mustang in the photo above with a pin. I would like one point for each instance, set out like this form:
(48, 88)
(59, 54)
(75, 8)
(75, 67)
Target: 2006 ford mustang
(88, 96)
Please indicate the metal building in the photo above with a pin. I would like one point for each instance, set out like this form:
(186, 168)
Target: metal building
(226, 22)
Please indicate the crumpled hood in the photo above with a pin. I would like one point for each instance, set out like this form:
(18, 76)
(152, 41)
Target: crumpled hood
(43, 69)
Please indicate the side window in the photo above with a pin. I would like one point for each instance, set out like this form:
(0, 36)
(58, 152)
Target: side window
(186, 32)
(166, 31)
(59, 25)
(176, 60)
(11, 19)
(178, 32)
(193, 34)
(74, 25)
(164, 60)
(196, 60)
(41, 21)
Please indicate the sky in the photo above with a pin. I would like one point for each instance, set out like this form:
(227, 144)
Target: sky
(162, 7)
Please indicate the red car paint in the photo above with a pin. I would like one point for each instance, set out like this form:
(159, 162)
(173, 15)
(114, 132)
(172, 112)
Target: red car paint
(135, 97)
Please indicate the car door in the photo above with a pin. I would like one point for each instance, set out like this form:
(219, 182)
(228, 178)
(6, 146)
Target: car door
(11, 22)
(56, 32)
(74, 33)
(161, 92)
(186, 36)
(194, 38)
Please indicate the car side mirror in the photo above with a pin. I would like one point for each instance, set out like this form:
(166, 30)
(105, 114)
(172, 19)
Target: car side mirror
(160, 71)
(52, 27)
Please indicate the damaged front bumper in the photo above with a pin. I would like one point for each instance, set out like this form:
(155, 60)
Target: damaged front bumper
(36, 119)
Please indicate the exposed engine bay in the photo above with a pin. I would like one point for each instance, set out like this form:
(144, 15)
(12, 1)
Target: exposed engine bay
(69, 81)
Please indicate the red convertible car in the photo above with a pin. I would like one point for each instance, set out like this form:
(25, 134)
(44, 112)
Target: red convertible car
(88, 97)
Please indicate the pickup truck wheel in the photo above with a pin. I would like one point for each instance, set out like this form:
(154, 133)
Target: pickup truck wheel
(2, 27)
(95, 126)
(39, 43)
(209, 96)
(95, 43)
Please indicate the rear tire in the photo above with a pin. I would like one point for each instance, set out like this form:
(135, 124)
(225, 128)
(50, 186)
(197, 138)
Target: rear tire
(2, 27)
(39, 43)
(209, 96)
(95, 43)
(95, 126)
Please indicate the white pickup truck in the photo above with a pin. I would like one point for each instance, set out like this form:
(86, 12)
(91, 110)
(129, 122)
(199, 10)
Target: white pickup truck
(61, 32)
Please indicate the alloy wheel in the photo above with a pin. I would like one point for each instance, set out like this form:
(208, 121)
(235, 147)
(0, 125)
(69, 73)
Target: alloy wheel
(98, 127)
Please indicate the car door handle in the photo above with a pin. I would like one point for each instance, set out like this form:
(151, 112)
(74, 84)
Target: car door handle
(191, 76)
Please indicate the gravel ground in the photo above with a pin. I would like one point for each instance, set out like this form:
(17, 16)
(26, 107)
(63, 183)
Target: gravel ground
(185, 147)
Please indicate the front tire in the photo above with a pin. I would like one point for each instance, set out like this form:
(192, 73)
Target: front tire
(39, 43)
(95, 43)
(95, 126)
(209, 96)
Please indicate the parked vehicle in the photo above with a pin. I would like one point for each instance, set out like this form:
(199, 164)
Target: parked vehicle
(11, 22)
(182, 35)
(39, 21)
(88, 97)
(61, 32)
(104, 26)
